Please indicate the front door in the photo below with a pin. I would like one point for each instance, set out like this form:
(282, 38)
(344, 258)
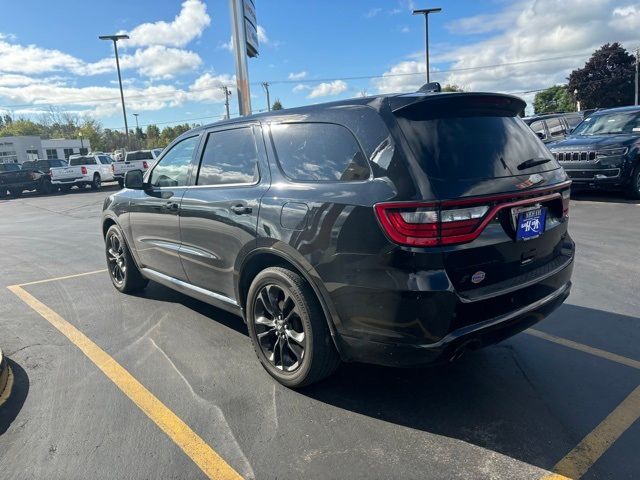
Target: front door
(154, 212)
(219, 214)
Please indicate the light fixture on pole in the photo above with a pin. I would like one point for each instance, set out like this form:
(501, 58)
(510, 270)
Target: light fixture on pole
(426, 12)
(114, 39)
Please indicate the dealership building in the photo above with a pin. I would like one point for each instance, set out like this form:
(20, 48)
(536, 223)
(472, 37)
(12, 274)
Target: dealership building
(19, 149)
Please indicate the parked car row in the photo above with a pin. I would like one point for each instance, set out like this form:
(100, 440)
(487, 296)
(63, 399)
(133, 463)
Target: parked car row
(598, 148)
(49, 176)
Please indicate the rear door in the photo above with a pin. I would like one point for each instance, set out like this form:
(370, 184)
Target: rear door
(501, 210)
(219, 213)
(154, 211)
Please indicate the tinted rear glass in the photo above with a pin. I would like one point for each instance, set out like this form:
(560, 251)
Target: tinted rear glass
(454, 144)
(319, 152)
(139, 156)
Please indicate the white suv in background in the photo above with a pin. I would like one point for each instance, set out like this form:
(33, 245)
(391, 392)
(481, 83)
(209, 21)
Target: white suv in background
(83, 170)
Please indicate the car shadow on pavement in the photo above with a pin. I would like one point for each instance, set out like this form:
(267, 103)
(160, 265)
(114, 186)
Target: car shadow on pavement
(10, 409)
(155, 291)
(509, 398)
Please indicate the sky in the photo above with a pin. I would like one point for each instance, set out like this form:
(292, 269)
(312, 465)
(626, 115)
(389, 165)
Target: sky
(180, 53)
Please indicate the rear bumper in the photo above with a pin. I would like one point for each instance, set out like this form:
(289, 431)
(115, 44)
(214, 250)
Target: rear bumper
(471, 337)
(436, 327)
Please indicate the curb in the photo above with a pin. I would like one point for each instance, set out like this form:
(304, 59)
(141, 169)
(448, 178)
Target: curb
(6, 378)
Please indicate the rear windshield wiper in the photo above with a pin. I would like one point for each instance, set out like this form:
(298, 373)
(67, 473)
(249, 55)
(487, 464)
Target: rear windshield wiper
(532, 162)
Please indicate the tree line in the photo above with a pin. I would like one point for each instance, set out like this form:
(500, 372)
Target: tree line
(57, 124)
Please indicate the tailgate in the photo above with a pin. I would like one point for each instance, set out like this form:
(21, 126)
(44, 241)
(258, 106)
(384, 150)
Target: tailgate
(66, 173)
(120, 168)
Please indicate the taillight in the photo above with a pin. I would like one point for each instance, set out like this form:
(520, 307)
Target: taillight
(83, 170)
(566, 196)
(145, 165)
(427, 224)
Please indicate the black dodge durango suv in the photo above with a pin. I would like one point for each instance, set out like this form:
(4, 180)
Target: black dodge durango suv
(397, 230)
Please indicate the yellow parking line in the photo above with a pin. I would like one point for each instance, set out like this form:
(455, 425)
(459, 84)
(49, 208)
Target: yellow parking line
(62, 278)
(592, 447)
(211, 464)
(629, 362)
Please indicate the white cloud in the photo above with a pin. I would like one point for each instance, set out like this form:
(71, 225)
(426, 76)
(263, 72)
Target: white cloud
(297, 75)
(300, 88)
(262, 35)
(208, 87)
(187, 25)
(538, 30)
(373, 12)
(31, 59)
(326, 89)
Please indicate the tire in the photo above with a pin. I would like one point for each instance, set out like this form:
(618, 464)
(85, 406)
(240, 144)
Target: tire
(633, 191)
(303, 359)
(96, 183)
(15, 192)
(123, 270)
(65, 188)
(121, 182)
(45, 187)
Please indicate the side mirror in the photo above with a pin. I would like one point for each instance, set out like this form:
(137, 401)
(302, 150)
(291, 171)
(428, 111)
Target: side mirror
(133, 179)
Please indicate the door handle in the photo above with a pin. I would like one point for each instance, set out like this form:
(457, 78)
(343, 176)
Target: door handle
(171, 206)
(241, 209)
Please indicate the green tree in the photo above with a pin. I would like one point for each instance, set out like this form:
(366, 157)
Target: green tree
(277, 105)
(606, 80)
(21, 127)
(452, 88)
(554, 99)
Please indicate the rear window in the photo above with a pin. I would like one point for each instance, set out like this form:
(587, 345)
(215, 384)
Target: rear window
(28, 165)
(139, 156)
(319, 152)
(82, 161)
(458, 144)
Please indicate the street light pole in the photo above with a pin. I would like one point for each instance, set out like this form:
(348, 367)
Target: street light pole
(266, 87)
(114, 39)
(137, 128)
(426, 12)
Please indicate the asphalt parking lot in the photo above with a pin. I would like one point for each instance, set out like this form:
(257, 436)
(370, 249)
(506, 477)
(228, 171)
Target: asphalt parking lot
(563, 397)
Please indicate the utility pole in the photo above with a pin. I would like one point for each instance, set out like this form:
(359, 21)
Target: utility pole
(114, 39)
(239, 47)
(426, 12)
(227, 94)
(637, 60)
(137, 127)
(266, 87)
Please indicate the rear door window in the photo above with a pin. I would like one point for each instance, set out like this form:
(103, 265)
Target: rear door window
(230, 157)
(457, 144)
(319, 152)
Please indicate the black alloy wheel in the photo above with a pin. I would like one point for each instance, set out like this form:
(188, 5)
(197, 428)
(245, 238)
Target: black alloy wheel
(288, 329)
(279, 328)
(123, 271)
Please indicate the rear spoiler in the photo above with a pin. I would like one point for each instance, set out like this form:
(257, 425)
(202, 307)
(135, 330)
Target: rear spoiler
(405, 104)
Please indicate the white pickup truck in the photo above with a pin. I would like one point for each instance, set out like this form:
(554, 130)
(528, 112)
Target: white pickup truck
(83, 170)
(138, 160)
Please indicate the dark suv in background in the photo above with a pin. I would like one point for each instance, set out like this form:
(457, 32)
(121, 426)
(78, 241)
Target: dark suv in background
(603, 152)
(397, 230)
(552, 127)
